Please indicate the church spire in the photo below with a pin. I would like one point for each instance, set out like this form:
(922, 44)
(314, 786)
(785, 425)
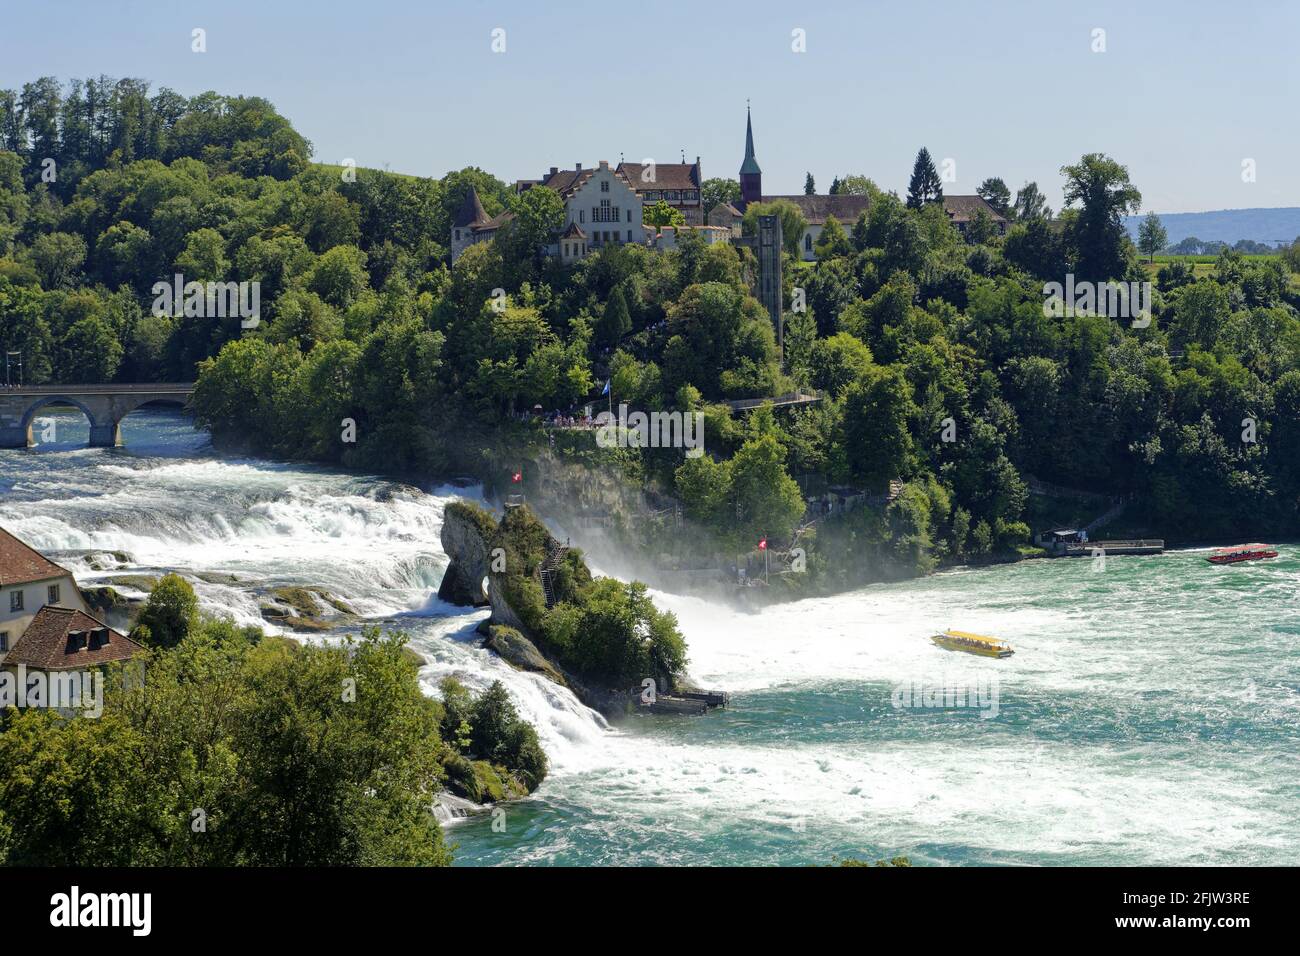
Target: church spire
(751, 177)
(750, 165)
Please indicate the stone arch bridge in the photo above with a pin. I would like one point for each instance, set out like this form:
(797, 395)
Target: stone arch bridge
(103, 405)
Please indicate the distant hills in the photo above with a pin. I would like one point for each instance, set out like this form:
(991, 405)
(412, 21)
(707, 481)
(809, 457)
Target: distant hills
(1269, 226)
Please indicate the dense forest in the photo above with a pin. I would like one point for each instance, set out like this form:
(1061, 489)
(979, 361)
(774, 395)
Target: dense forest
(940, 365)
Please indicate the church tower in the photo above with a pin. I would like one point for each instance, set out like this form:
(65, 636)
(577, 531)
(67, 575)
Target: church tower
(751, 177)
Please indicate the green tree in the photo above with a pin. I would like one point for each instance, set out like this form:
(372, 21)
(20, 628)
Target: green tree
(58, 258)
(1152, 237)
(925, 185)
(877, 409)
(809, 186)
(1101, 188)
(170, 613)
(715, 192)
(767, 500)
(856, 184)
(832, 241)
(204, 257)
(661, 214)
(1030, 203)
(339, 276)
(995, 192)
(90, 352)
(539, 217)
(614, 321)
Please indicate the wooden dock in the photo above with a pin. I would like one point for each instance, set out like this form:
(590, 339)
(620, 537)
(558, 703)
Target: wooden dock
(690, 702)
(714, 698)
(1131, 546)
(666, 704)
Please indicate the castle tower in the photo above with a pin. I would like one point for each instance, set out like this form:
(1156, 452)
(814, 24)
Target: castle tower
(470, 215)
(751, 177)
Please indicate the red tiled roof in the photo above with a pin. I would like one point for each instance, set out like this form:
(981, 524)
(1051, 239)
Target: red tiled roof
(566, 181)
(45, 644)
(20, 564)
(666, 176)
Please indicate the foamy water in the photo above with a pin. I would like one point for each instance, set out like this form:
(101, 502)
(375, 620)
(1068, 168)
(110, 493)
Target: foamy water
(1148, 715)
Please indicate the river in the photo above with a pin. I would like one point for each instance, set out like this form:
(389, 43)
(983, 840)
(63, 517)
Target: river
(1148, 716)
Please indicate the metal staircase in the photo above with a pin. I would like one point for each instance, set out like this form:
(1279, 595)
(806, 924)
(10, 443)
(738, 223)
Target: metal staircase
(554, 555)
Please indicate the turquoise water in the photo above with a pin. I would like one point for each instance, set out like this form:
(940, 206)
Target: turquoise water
(1148, 716)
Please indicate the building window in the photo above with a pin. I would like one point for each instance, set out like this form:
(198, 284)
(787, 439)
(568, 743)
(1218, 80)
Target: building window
(673, 195)
(807, 241)
(582, 215)
(629, 215)
(690, 194)
(15, 600)
(604, 185)
(629, 235)
(458, 235)
(604, 212)
(53, 593)
(652, 196)
(4, 642)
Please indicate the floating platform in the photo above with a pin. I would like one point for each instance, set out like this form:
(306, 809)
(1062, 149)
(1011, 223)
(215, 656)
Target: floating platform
(664, 704)
(689, 702)
(714, 698)
(1132, 546)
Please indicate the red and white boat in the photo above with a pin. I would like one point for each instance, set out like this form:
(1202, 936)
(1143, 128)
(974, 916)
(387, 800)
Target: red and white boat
(1242, 552)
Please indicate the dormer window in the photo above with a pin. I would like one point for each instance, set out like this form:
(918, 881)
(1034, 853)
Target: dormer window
(76, 641)
(99, 637)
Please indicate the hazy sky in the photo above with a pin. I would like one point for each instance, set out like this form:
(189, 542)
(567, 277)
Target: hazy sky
(1184, 92)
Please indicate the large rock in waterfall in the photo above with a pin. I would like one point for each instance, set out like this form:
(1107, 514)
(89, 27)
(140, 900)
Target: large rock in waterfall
(466, 529)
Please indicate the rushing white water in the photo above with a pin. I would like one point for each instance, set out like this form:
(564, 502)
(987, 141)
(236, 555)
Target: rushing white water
(1148, 716)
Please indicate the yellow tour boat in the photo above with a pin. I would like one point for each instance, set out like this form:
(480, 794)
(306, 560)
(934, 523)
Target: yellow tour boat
(951, 640)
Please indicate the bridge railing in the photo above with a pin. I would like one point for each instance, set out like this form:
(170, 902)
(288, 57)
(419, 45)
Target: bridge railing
(110, 389)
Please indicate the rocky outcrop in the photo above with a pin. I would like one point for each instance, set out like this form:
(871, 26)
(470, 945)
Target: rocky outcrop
(465, 532)
(111, 606)
(519, 599)
(300, 609)
(518, 651)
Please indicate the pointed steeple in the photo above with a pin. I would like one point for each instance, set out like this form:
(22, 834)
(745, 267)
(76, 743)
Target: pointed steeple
(471, 210)
(750, 165)
(751, 177)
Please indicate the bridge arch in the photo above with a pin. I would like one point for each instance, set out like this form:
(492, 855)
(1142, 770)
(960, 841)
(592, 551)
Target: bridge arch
(34, 409)
(103, 405)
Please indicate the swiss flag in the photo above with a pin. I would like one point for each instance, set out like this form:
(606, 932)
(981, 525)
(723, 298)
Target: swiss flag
(762, 544)
(517, 477)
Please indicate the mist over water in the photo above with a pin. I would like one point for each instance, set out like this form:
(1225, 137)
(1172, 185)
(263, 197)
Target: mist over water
(1149, 715)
